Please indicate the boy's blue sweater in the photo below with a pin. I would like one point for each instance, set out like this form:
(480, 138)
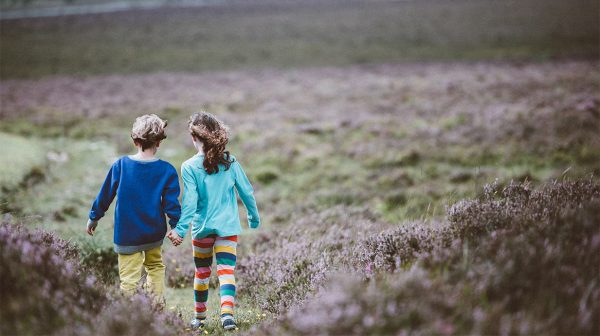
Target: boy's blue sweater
(146, 191)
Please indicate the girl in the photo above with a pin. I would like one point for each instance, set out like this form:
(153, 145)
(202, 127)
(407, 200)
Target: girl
(210, 205)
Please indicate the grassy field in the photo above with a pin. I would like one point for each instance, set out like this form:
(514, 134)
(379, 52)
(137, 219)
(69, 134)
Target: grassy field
(409, 152)
(403, 141)
(297, 34)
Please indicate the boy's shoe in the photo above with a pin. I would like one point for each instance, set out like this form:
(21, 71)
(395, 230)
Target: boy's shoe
(228, 323)
(197, 324)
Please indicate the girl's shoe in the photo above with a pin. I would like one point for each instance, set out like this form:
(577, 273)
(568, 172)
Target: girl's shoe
(197, 324)
(229, 324)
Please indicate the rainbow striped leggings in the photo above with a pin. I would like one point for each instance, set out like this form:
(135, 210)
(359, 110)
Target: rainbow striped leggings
(225, 250)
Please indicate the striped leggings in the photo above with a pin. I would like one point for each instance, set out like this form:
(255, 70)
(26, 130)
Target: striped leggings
(225, 250)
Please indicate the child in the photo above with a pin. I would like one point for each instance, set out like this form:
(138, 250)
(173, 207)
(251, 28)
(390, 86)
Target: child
(210, 205)
(147, 188)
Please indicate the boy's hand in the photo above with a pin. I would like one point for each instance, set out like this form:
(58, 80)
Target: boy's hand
(174, 237)
(91, 227)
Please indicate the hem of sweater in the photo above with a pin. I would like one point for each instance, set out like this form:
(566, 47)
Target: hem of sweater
(207, 233)
(122, 249)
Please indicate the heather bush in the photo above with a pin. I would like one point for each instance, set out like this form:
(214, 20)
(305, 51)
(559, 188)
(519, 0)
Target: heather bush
(46, 290)
(284, 269)
(517, 205)
(351, 306)
(538, 264)
(518, 260)
(398, 247)
(132, 316)
(43, 288)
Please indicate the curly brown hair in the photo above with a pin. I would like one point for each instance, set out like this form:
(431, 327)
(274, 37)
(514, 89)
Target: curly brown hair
(148, 131)
(214, 135)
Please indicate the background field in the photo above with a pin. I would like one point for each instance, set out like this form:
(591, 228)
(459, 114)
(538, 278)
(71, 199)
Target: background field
(298, 34)
(365, 128)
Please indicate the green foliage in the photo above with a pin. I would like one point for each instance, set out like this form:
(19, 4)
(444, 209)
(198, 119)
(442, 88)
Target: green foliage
(267, 176)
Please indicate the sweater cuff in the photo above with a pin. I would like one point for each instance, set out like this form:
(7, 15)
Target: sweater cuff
(254, 224)
(91, 224)
(180, 232)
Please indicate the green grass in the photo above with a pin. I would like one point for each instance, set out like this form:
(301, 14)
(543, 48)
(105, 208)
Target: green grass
(298, 35)
(181, 300)
(20, 157)
(60, 202)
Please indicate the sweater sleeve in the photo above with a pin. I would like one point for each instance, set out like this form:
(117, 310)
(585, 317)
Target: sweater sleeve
(246, 193)
(170, 202)
(189, 200)
(107, 193)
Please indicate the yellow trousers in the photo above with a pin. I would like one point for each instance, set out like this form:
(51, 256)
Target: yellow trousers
(130, 271)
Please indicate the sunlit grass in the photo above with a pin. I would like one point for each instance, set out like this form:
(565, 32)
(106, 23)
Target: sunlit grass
(20, 156)
(181, 300)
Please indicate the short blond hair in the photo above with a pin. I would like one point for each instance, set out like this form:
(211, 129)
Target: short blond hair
(148, 130)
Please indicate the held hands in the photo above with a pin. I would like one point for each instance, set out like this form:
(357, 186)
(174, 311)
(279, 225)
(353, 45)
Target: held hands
(174, 237)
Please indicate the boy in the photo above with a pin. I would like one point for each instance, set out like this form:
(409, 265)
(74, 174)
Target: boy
(147, 188)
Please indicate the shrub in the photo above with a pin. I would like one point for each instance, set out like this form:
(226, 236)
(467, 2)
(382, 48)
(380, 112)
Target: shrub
(517, 204)
(538, 263)
(516, 261)
(42, 285)
(351, 306)
(283, 269)
(46, 290)
(129, 317)
(267, 176)
(399, 247)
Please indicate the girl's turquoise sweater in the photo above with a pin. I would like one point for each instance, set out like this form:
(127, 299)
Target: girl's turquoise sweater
(209, 203)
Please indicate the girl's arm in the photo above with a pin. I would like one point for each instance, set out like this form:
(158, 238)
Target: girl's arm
(189, 200)
(106, 195)
(246, 193)
(170, 203)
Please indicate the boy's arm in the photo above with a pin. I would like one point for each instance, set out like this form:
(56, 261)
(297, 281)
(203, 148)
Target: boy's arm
(105, 196)
(246, 193)
(189, 200)
(170, 203)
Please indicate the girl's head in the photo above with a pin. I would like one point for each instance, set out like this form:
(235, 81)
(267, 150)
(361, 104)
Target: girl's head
(209, 131)
(148, 131)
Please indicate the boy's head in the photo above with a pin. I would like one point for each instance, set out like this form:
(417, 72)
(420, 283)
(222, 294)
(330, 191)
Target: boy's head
(148, 131)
